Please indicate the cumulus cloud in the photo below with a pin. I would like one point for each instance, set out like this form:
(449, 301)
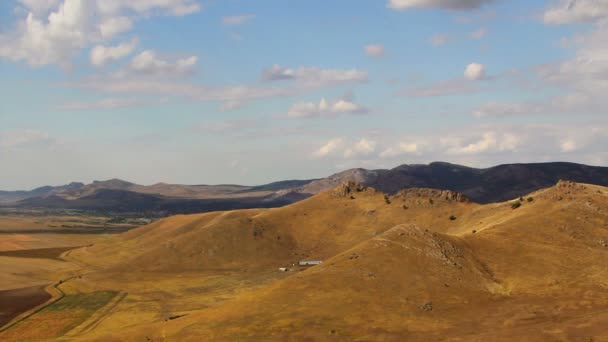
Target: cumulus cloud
(328, 148)
(314, 75)
(375, 50)
(112, 26)
(568, 145)
(574, 11)
(325, 108)
(402, 5)
(475, 72)
(402, 148)
(237, 20)
(148, 63)
(39, 7)
(54, 32)
(100, 55)
(488, 141)
(479, 144)
(361, 148)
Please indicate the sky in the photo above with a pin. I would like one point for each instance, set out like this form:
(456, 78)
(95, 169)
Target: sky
(250, 92)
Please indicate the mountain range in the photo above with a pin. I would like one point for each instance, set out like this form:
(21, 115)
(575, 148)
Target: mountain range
(481, 185)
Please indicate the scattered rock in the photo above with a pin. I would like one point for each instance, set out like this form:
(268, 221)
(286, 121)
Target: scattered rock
(427, 307)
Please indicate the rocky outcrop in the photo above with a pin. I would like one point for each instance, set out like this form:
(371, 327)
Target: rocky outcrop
(350, 188)
(446, 195)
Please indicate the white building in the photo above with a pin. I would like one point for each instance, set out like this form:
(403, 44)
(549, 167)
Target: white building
(310, 262)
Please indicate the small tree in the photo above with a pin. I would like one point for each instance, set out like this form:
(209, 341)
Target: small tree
(387, 199)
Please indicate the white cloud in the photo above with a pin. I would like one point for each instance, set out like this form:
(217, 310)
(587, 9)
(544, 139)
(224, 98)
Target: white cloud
(440, 39)
(568, 145)
(237, 20)
(479, 144)
(475, 72)
(401, 149)
(39, 7)
(112, 26)
(479, 34)
(54, 32)
(314, 76)
(100, 55)
(148, 63)
(375, 50)
(363, 147)
(328, 148)
(488, 142)
(573, 11)
(325, 109)
(443, 4)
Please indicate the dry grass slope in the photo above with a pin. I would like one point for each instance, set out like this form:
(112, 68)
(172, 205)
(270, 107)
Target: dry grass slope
(421, 265)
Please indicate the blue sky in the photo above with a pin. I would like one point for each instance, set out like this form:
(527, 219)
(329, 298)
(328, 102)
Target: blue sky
(235, 91)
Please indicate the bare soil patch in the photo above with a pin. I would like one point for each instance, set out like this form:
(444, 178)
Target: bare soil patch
(16, 301)
(39, 253)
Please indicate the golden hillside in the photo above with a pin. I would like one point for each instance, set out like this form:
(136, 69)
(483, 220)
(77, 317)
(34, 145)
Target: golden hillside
(421, 265)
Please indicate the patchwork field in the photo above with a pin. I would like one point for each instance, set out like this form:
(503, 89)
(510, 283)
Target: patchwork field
(31, 249)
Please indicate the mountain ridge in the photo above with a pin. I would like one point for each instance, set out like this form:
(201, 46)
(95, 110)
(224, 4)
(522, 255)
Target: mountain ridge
(481, 185)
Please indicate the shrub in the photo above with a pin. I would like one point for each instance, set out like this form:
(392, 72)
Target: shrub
(530, 199)
(431, 201)
(387, 199)
(452, 218)
(515, 205)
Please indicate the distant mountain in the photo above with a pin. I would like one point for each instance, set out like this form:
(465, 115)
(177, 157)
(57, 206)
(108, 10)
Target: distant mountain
(75, 191)
(121, 201)
(494, 184)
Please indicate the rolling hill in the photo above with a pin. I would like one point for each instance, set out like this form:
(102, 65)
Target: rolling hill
(422, 264)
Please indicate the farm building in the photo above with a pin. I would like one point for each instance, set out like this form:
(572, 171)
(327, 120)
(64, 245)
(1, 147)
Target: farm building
(310, 262)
